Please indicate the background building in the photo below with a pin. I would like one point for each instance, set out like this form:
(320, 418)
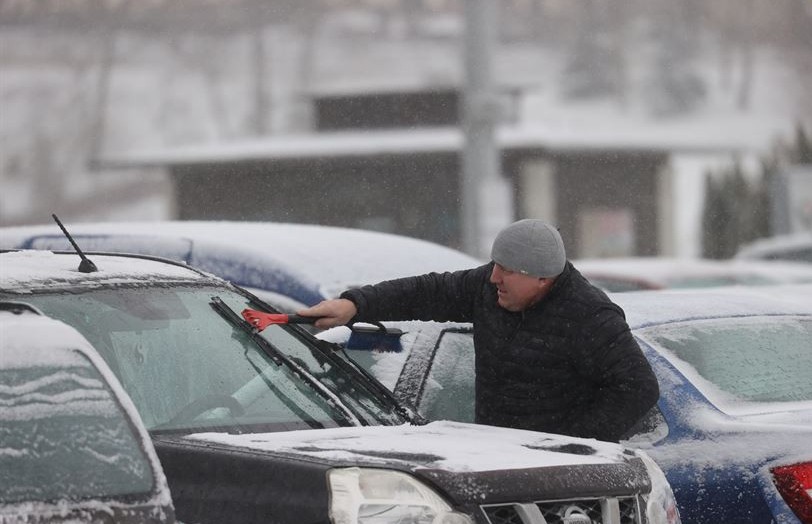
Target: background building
(347, 112)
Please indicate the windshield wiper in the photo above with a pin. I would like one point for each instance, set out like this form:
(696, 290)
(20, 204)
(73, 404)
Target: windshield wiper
(281, 358)
(335, 355)
(372, 384)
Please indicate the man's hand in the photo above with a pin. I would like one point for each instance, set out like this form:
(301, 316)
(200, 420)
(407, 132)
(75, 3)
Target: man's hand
(332, 313)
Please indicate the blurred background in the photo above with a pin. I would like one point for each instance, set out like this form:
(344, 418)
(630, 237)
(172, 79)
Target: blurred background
(639, 127)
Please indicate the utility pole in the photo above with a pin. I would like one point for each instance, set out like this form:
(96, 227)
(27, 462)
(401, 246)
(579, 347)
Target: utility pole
(480, 157)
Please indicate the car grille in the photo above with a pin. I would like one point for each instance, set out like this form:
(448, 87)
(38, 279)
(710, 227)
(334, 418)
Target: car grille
(625, 510)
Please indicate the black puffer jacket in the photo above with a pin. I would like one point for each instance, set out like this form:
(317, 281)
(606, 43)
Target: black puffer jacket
(566, 365)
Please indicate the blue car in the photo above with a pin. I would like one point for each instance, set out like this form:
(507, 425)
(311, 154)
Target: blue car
(287, 265)
(733, 427)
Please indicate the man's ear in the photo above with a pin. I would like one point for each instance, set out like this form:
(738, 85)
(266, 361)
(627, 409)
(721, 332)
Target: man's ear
(546, 282)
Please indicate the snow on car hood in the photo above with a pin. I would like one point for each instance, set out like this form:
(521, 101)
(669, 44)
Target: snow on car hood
(26, 270)
(451, 446)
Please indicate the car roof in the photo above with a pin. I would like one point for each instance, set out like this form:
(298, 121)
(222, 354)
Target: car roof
(333, 257)
(645, 308)
(25, 271)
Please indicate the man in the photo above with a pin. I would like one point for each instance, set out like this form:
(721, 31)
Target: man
(553, 353)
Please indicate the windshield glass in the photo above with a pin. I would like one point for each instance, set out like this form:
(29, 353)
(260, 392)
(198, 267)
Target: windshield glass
(764, 359)
(188, 369)
(84, 446)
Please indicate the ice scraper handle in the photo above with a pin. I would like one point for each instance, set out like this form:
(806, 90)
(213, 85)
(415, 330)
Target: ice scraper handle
(260, 320)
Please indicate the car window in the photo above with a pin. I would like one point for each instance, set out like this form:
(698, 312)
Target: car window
(186, 368)
(64, 435)
(448, 393)
(765, 359)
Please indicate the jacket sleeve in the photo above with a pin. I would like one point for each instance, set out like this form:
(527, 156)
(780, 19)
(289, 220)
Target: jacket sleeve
(441, 297)
(626, 387)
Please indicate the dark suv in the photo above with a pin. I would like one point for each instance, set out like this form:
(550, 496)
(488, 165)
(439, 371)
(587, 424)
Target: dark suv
(276, 426)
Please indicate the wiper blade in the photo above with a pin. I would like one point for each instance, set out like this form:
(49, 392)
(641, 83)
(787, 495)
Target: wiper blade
(227, 313)
(281, 358)
(372, 384)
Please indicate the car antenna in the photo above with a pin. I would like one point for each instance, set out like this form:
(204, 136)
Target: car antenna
(85, 266)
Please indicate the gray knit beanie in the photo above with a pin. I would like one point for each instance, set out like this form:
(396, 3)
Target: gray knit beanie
(531, 247)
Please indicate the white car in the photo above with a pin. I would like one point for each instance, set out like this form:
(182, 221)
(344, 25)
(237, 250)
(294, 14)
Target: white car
(72, 446)
(795, 247)
(642, 273)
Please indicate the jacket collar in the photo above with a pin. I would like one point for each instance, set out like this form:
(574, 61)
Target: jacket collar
(561, 282)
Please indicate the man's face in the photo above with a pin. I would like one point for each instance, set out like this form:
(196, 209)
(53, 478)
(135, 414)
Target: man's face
(517, 291)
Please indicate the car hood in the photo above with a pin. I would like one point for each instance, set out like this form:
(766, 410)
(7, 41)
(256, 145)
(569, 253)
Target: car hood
(452, 446)
(468, 461)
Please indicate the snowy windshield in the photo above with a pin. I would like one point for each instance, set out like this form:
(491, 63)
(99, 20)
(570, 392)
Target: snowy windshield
(187, 368)
(84, 446)
(767, 359)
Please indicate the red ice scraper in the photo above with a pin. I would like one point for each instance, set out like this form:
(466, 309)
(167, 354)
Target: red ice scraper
(260, 320)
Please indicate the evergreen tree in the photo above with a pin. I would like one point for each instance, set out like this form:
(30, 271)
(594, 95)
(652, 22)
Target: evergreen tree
(803, 147)
(736, 213)
(715, 217)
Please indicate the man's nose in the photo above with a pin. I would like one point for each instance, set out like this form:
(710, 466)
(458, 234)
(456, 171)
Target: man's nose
(496, 275)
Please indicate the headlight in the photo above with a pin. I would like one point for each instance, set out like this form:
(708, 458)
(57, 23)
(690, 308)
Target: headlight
(661, 506)
(380, 496)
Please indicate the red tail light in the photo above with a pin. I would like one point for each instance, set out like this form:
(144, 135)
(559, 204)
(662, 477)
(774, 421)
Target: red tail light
(795, 485)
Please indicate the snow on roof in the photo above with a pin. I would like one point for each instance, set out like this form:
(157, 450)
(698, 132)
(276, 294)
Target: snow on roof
(453, 446)
(336, 258)
(645, 308)
(332, 144)
(347, 144)
(21, 271)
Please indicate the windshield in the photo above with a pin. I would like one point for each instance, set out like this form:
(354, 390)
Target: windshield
(84, 446)
(763, 359)
(187, 368)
